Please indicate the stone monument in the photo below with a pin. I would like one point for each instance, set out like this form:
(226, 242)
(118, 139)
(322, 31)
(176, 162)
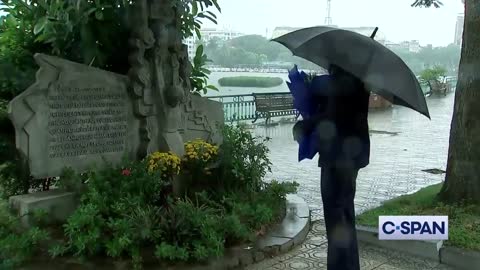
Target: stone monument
(73, 116)
(79, 117)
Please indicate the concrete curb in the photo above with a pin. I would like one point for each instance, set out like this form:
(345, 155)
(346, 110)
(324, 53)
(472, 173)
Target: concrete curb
(59, 205)
(460, 259)
(434, 250)
(291, 232)
(424, 249)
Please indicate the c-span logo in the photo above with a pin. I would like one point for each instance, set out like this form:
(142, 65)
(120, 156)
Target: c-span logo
(413, 227)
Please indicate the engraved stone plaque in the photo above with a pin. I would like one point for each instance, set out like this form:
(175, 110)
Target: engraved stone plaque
(74, 116)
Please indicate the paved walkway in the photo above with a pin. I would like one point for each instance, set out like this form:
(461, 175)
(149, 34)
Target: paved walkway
(404, 144)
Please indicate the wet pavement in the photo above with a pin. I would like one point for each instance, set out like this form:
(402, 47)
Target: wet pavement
(403, 144)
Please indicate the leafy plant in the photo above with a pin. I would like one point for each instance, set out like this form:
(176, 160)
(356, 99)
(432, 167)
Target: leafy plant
(117, 212)
(124, 212)
(244, 159)
(193, 227)
(192, 13)
(82, 31)
(275, 189)
(199, 76)
(18, 244)
(432, 76)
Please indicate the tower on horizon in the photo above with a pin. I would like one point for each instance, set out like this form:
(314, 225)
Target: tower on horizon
(328, 18)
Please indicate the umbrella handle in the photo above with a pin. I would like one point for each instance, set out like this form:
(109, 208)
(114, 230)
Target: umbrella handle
(372, 36)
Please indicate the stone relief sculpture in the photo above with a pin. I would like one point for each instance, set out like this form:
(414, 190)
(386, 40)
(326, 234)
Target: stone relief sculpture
(156, 75)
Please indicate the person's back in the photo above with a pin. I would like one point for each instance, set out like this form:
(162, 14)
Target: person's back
(343, 128)
(344, 147)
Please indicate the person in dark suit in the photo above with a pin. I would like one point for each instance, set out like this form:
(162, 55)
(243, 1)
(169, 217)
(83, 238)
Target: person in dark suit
(341, 131)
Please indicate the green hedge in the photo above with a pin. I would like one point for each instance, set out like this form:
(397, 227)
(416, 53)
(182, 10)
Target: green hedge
(247, 81)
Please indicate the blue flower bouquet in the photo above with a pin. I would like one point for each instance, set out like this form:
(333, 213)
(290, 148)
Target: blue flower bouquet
(305, 101)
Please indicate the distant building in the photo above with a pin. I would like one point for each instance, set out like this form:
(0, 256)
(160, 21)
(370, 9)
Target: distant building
(191, 42)
(459, 30)
(207, 35)
(412, 46)
(366, 31)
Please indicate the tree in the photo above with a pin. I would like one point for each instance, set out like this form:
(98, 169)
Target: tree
(213, 44)
(462, 181)
(432, 77)
(259, 45)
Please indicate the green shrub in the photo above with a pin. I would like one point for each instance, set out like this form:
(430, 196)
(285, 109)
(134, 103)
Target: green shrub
(17, 244)
(193, 227)
(128, 211)
(7, 135)
(246, 81)
(244, 159)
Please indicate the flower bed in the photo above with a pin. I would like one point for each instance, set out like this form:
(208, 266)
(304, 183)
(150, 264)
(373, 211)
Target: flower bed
(130, 212)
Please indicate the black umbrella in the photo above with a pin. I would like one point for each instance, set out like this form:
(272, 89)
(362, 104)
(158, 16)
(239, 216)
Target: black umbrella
(378, 67)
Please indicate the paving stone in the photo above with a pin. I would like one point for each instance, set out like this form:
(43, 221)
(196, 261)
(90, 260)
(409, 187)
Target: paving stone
(406, 261)
(298, 263)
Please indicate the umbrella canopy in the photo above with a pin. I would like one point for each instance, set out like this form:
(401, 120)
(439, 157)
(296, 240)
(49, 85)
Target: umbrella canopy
(378, 67)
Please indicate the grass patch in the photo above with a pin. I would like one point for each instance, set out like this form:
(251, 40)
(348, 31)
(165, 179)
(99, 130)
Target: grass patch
(464, 220)
(248, 81)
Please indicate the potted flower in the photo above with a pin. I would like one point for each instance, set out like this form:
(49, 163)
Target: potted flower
(168, 166)
(198, 164)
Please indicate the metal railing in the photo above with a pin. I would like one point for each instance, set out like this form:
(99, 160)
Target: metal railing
(242, 107)
(237, 107)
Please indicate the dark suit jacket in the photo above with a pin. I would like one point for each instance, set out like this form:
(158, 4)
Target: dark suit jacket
(341, 123)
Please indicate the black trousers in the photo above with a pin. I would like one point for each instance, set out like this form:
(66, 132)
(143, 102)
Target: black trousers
(338, 193)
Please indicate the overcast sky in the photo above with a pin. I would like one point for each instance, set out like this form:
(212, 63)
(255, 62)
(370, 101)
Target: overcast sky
(395, 18)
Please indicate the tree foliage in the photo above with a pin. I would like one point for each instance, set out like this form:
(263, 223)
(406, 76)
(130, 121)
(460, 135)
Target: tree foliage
(255, 50)
(429, 57)
(90, 32)
(252, 51)
(199, 76)
(433, 77)
(433, 74)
